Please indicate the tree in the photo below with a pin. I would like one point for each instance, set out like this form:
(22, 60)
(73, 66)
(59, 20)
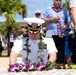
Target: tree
(65, 4)
(9, 8)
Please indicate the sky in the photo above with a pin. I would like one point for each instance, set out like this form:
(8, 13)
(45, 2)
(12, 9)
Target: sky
(32, 6)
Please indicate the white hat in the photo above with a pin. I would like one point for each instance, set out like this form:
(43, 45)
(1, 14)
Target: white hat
(34, 24)
(34, 20)
(37, 12)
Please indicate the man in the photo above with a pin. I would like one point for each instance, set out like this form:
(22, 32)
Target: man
(56, 18)
(34, 26)
(72, 5)
(37, 14)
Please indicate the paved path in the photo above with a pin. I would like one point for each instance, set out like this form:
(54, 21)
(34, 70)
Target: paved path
(4, 64)
(51, 72)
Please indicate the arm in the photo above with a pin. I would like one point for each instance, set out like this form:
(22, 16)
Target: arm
(72, 25)
(48, 17)
(67, 19)
(15, 51)
(72, 5)
(73, 13)
(52, 50)
(48, 20)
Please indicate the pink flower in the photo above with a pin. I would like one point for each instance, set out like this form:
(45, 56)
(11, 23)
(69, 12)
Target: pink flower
(22, 67)
(14, 68)
(41, 66)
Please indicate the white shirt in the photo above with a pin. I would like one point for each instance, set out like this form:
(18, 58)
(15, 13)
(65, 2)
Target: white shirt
(33, 56)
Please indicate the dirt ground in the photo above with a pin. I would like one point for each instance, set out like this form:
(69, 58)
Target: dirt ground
(4, 62)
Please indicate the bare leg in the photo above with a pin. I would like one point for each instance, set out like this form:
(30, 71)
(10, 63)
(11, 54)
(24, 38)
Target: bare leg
(67, 59)
(12, 58)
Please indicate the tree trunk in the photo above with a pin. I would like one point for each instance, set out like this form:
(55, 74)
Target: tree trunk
(8, 23)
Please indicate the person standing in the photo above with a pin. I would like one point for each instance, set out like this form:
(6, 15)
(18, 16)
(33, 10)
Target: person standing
(72, 6)
(56, 18)
(38, 15)
(68, 45)
(68, 52)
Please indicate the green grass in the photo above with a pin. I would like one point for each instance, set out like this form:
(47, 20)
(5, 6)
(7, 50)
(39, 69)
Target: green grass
(5, 53)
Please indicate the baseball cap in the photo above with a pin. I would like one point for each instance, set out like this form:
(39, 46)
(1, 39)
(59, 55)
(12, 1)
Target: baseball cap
(37, 12)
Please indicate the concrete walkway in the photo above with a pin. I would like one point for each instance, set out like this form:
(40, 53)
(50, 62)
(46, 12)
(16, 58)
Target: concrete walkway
(4, 71)
(4, 62)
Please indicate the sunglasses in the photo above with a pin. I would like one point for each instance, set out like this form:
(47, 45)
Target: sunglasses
(37, 14)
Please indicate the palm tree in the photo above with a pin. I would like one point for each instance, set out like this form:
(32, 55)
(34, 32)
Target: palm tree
(9, 8)
(65, 4)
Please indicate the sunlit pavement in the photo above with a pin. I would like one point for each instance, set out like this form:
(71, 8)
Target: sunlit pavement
(50, 72)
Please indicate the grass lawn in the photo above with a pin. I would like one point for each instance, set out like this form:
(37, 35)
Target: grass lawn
(5, 53)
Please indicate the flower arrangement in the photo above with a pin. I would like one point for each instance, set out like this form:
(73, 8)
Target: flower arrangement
(39, 67)
(33, 67)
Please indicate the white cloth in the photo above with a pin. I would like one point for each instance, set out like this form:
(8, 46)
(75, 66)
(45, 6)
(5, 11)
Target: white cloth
(19, 45)
(3, 44)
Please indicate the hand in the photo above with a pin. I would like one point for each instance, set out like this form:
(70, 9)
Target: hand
(64, 27)
(72, 25)
(57, 18)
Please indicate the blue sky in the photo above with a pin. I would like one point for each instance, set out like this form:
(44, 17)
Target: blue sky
(32, 6)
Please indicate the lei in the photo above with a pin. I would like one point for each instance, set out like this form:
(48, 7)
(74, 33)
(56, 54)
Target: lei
(33, 66)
